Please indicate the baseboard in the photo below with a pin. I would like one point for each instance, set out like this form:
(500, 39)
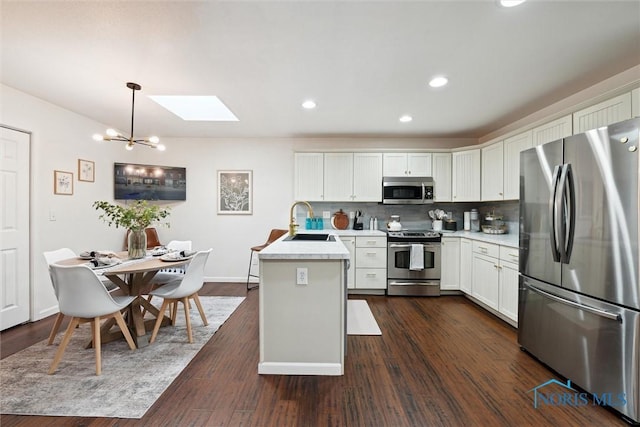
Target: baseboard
(293, 368)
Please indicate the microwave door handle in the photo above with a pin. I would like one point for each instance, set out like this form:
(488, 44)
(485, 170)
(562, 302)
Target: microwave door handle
(423, 191)
(552, 215)
(567, 216)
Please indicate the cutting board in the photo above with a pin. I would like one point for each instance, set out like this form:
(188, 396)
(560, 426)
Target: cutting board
(340, 220)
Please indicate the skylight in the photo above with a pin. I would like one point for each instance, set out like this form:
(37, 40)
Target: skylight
(196, 108)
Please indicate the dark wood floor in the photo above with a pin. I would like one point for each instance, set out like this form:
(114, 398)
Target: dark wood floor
(439, 362)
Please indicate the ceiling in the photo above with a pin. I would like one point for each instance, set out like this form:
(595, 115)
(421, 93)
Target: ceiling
(364, 63)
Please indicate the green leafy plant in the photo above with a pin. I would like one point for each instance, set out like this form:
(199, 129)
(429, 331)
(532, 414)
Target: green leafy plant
(135, 216)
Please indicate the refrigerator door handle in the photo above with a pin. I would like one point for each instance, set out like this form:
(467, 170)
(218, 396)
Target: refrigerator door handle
(567, 215)
(593, 310)
(553, 214)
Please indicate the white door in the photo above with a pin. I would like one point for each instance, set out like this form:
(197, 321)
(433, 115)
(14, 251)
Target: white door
(14, 228)
(309, 176)
(442, 176)
(492, 172)
(367, 177)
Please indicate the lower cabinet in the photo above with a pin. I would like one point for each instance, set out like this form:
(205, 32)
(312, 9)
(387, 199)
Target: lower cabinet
(450, 267)
(485, 279)
(466, 265)
(350, 243)
(369, 264)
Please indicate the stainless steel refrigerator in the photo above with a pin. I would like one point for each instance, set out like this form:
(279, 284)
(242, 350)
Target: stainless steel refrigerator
(579, 296)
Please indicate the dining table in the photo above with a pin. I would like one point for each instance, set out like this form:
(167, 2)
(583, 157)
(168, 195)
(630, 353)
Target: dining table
(132, 276)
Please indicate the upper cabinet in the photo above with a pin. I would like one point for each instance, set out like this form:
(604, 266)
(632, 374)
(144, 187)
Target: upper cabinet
(512, 148)
(353, 177)
(407, 164)
(442, 177)
(605, 113)
(492, 172)
(635, 102)
(466, 176)
(309, 176)
(552, 131)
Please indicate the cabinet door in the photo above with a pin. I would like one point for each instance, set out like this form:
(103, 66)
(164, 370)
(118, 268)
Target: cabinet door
(485, 280)
(552, 131)
(338, 177)
(466, 176)
(508, 302)
(367, 177)
(419, 164)
(512, 148)
(442, 176)
(450, 276)
(466, 266)
(394, 164)
(602, 114)
(350, 243)
(309, 173)
(492, 176)
(635, 102)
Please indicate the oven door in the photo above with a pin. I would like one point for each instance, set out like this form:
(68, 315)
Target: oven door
(399, 257)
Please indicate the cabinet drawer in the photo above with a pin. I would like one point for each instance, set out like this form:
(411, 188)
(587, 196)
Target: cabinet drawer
(371, 278)
(371, 242)
(371, 257)
(488, 249)
(509, 254)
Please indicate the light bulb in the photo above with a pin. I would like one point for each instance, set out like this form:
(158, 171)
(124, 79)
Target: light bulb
(129, 147)
(154, 139)
(406, 119)
(112, 132)
(161, 147)
(438, 81)
(98, 137)
(309, 104)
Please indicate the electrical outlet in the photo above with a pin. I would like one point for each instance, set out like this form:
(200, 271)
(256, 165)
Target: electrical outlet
(52, 215)
(302, 276)
(326, 214)
(352, 215)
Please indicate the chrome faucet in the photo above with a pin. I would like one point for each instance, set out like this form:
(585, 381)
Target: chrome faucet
(292, 223)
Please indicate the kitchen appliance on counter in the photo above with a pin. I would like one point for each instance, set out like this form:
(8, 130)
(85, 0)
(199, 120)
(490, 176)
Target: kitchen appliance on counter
(413, 263)
(579, 293)
(474, 218)
(494, 224)
(394, 223)
(404, 190)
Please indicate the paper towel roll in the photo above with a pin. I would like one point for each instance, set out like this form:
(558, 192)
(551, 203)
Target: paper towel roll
(467, 221)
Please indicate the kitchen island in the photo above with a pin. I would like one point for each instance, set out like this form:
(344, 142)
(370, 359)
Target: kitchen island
(303, 296)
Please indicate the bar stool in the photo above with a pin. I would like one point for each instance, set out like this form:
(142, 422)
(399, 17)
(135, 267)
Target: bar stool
(274, 235)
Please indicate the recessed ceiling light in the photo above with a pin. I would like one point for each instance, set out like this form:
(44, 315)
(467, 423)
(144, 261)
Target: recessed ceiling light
(309, 104)
(510, 3)
(197, 108)
(438, 81)
(406, 118)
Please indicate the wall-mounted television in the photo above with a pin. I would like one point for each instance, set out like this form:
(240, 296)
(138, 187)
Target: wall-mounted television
(149, 182)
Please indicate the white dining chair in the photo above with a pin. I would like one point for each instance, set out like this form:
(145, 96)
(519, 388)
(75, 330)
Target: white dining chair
(83, 297)
(183, 290)
(51, 257)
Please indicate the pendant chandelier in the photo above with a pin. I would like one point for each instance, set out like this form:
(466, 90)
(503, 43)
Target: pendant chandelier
(113, 135)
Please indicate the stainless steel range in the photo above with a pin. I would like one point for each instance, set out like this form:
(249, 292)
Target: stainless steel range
(413, 263)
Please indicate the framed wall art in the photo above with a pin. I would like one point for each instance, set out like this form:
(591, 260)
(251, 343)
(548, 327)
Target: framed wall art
(86, 170)
(63, 183)
(235, 192)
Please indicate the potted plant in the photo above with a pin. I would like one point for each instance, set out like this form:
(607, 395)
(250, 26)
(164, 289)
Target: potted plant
(135, 217)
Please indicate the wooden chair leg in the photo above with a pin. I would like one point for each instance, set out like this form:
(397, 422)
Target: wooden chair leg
(125, 330)
(196, 299)
(75, 321)
(156, 327)
(185, 302)
(174, 312)
(56, 326)
(97, 344)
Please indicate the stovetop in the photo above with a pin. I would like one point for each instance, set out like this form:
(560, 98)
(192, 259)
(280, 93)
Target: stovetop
(414, 235)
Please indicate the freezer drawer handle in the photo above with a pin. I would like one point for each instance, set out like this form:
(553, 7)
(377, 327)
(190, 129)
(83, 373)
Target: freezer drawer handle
(395, 245)
(414, 283)
(596, 311)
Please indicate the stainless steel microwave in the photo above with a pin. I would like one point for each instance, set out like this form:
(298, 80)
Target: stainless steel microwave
(404, 190)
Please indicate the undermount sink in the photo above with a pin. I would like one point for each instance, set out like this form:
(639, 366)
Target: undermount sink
(312, 238)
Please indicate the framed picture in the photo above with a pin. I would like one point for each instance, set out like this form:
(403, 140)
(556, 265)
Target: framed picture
(235, 192)
(63, 183)
(86, 170)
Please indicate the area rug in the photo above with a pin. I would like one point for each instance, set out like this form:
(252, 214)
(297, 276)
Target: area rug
(360, 320)
(130, 383)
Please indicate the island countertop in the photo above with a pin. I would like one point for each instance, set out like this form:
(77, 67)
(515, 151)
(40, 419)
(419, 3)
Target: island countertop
(292, 250)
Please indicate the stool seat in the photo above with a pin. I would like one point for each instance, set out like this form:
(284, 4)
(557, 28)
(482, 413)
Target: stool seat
(274, 235)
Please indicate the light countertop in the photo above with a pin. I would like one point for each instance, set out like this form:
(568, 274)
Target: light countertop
(290, 249)
(507, 239)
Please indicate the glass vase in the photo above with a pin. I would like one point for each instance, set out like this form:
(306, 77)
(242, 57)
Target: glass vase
(137, 244)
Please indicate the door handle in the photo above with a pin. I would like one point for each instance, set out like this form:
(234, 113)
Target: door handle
(553, 234)
(593, 310)
(567, 216)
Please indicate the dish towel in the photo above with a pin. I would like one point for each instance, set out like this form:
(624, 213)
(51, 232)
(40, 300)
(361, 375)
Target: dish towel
(416, 261)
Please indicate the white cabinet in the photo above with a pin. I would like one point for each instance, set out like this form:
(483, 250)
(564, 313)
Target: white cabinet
(308, 179)
(450, 267)
(442, 176)
(350, 243)
(492, 175)
(466, 176)
(552, 131)
(602, 114)
(466, 265)
(512, 148)
(485, 279)
(508, 300)
(635, 102)
(407, 164)
(371, 262)
(352, 177)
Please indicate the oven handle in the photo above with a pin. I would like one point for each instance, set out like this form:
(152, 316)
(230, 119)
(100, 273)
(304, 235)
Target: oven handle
(395, 245)
(431, 283)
